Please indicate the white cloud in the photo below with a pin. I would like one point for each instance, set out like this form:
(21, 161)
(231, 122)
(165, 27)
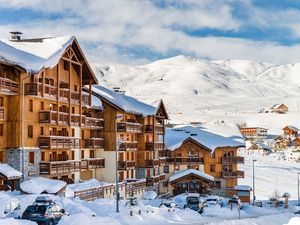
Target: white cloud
(108, 25)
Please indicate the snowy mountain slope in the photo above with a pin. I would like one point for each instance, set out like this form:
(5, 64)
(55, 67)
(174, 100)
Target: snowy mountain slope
(201, 90)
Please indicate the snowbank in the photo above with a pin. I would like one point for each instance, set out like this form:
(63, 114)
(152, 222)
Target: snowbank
(9, 172)
(40, 185)
(149, 195)
(294, 221)
(11, 221)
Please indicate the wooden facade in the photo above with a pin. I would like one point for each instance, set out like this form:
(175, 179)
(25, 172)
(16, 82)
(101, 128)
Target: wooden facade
(58, 119)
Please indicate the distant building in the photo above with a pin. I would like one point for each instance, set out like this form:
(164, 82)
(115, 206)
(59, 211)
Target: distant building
(279, 108)
(254, 133)
(290, 131)
(259, 148)
(280, 143)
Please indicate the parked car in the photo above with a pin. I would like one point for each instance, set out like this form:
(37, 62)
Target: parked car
(213, 201)
(194, 203)
(43, 211)
(10, 208)
(235, 201)
(169, 204)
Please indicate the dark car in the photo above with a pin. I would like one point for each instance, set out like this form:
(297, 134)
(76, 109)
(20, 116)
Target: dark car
(194, 203)
(44, 212)
(235, 201)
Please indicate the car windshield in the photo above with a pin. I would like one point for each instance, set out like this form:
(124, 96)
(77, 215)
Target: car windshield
(211, 200)
(36, 208)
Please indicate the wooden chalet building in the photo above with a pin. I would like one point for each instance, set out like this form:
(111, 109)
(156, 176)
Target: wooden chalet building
(279, 108)
(56, 111)
(139, 130)
(254, 133)
(290, 131)
(191, 148)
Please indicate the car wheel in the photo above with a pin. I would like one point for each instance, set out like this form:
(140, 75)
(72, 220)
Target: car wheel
(51, 223)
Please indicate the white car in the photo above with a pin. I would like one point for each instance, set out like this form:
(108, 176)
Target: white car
(10, 208)
(213, 201)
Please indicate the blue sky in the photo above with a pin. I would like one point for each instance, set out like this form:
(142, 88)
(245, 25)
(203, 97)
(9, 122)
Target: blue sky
(140, 31)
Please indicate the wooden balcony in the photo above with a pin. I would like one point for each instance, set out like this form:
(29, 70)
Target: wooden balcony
(36, 89)
(129, 127)
(181, 160)
(2, 113)
(232, 160)
(50, 117)
(151, 181)
(124, 165)
(162, 161)
(128, 146)
(92, 163)
(233, 174)
(94, 143)
(158, 129)
(94, 123)
(156, 146)
(58, 142)
(8, 86)
(151, 163)
(58, 168)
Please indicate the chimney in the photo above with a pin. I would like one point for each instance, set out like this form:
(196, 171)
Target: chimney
(15, 35)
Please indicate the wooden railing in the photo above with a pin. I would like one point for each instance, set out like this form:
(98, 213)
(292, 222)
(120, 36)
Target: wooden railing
(91, 122)
(8, 86)
(158, 129)
(232, 160)
(156, 146)
(58, 168)
(129, 127)
(2, 113)
(233, 174)
(150, 181)
(182, 160)
(128, 146)
(151, 163)
(124, 165)
(94, 143)
(58, 142)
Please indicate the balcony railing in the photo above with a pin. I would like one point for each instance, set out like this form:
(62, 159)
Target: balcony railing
(152, 163)
(124, 165)
(58, 168)
(150, 181)
(96, 123)
(8, 86)
(232, 160)
(128, 146)
(129, 127)
(92, 163)
(94, 143)
(156, 146)
(2, 113)
(159, 129)
(182, 160)
(233, 174)
(58, 142)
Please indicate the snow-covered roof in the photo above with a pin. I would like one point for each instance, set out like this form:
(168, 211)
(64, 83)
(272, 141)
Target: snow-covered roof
(89, 184)
(291, 127)
(242, 188)
(32, 56)
(183, 173)
(9, 172)
(125, 103)
(40, 185)
(276, 106)
(210, 136)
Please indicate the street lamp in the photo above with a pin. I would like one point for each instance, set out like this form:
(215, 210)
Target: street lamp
(117, 145)
(254, 197)
(298, 183)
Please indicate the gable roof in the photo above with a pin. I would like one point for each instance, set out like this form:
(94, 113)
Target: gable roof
(291, 127)
(276, 106)
(9, 172)
(36, 54)
(209, 136)
(184, 173)
(126, 103)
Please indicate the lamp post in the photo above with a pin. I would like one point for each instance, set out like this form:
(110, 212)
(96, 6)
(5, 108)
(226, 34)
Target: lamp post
(298, 183)
(254, 197)
(116, 161)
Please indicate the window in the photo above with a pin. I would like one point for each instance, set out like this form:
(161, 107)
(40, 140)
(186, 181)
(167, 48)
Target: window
(166, 169)
(218, 184)
(30, 131)
(92, 154)
(73, 110)
(43, 156)
(42, 106)
(82, 135)
(66, 65)
(42, 131)
(82, 154)
(31, 158)
(1, 102)
(2, 156)
(30, 107)
(212, 168)
(73, 132)
(1, 129)
(75, 87)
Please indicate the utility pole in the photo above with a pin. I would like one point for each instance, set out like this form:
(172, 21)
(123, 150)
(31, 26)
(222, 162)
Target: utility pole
(116, 161)
(254, 197)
